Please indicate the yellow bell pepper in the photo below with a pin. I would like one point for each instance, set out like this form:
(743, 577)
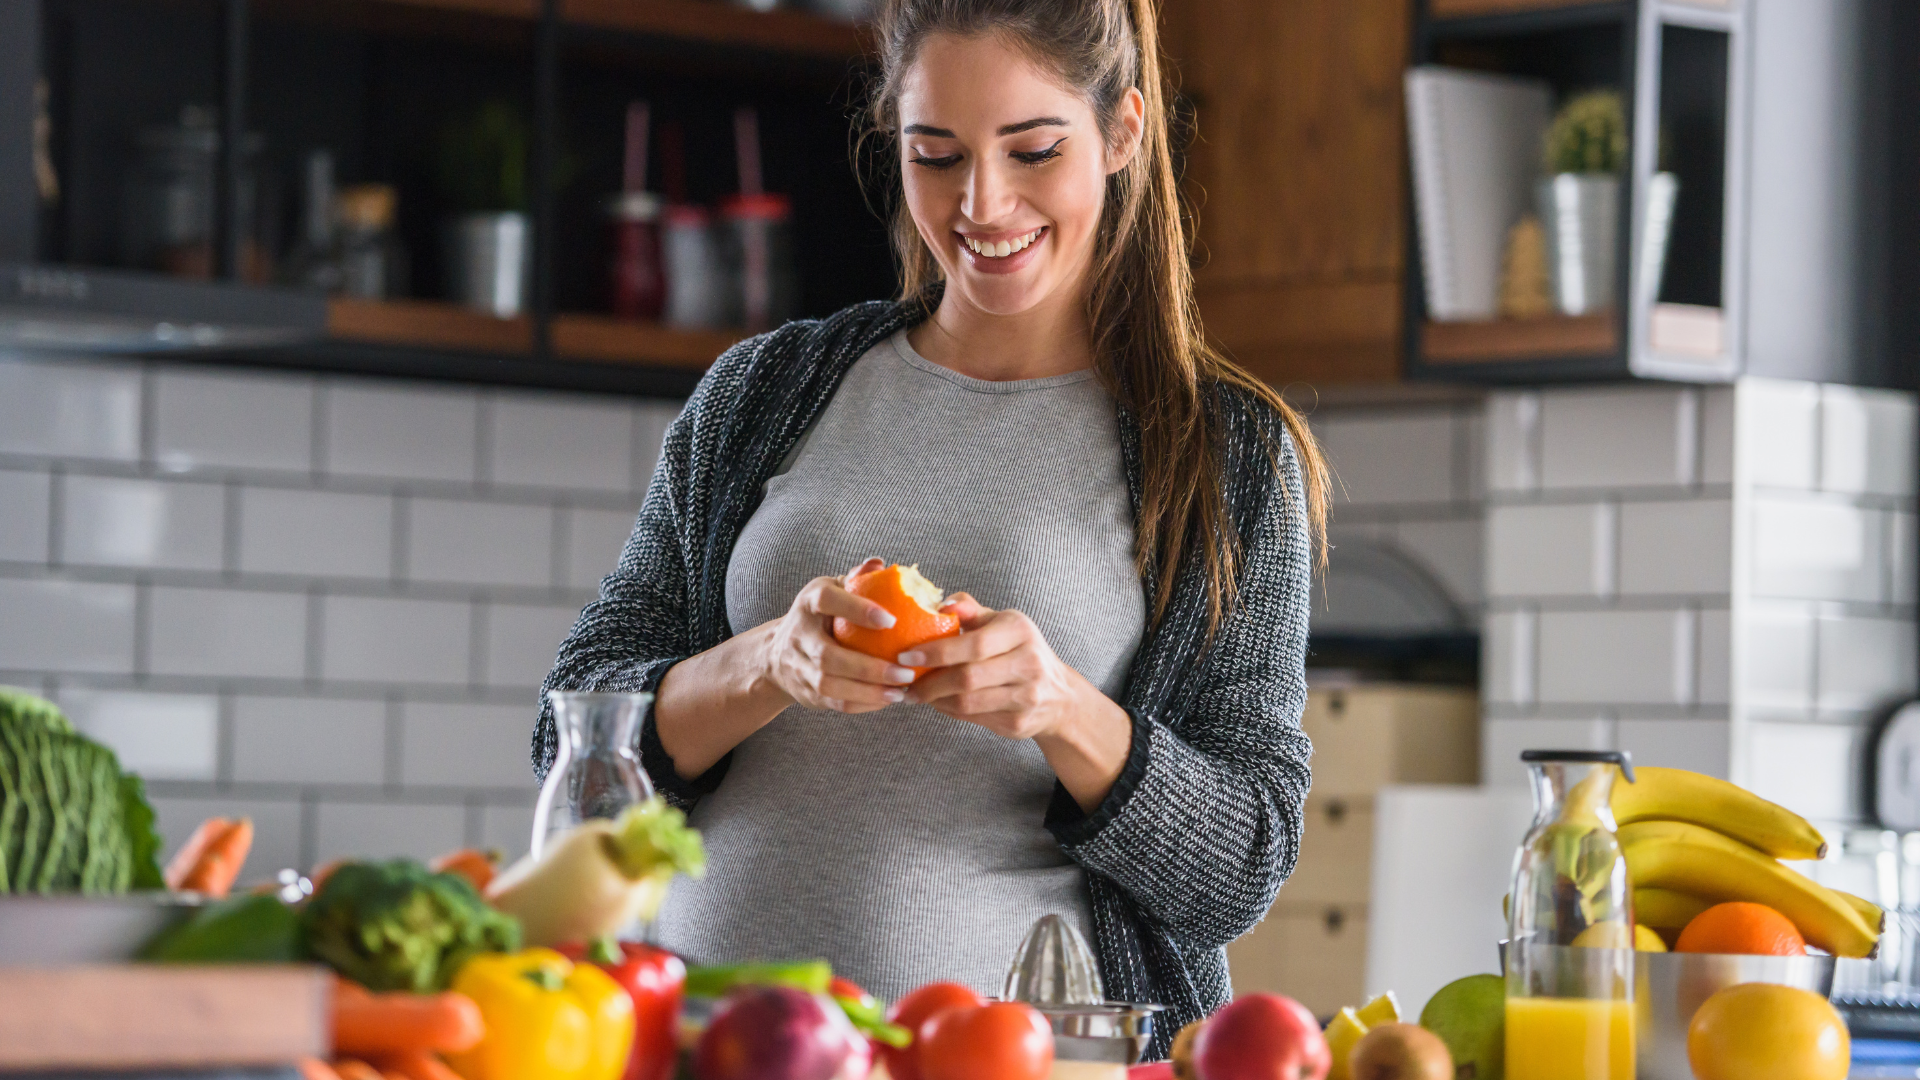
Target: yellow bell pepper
(547, 1019)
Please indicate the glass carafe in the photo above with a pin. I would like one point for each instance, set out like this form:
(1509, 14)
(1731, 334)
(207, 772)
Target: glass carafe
(1570, 929)
(595, 773)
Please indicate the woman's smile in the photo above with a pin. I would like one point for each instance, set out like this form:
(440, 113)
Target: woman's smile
(1002, 251)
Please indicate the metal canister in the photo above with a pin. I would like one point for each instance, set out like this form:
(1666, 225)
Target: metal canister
(696, 279)
(489, 263)
(758, 229)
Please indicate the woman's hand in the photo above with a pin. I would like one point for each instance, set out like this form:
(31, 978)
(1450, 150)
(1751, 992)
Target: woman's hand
(1001, 674)
(809, 667)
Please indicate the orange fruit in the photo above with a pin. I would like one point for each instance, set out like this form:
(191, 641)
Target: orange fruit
(1741, 929)
(914, 603)
(1759, 1031)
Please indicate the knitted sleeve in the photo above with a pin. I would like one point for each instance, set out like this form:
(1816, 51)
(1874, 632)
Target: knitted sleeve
(1204, 824)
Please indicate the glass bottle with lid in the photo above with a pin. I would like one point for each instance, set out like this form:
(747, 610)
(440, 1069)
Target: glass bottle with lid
(1569, 957)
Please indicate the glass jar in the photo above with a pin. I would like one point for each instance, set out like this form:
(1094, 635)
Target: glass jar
(1569, 957)
(167, 222)
(595, 772)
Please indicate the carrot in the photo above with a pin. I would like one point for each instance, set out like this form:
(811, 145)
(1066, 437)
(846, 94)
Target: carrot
(351, 1069)
(399, 1023)
(219, 865)
(471, 863)
(315, 1069)
(416, 1066)
(188, 856)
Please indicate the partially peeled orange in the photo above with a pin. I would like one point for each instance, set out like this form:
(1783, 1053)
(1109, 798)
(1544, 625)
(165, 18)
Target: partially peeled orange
(914, 603)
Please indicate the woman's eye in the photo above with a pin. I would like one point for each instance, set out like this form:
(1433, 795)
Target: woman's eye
(947, 162)
(1036, 157)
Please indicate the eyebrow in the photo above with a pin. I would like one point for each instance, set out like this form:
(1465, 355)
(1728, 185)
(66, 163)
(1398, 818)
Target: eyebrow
(1010, 129)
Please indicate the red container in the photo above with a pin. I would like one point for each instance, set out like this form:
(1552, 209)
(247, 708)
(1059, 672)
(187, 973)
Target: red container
(636, 279)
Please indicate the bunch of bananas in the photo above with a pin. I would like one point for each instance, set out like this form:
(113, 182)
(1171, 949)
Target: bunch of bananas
(1692, 841)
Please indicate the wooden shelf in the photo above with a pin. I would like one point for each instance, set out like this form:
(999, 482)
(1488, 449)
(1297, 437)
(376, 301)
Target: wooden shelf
(1507, 340)
(426, 324)
(1462, 9)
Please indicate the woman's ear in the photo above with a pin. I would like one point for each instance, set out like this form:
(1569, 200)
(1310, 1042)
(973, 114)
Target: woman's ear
(1132, 117)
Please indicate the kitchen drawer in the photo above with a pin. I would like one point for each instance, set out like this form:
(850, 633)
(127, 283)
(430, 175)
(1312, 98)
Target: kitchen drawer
(1366, 737)
(1315, 955)
(1336, 853)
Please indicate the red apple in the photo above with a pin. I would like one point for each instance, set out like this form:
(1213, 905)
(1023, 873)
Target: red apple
(773, 1033)
(1262, 1037)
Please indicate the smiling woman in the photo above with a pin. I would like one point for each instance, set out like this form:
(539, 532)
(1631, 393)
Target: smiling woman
(1113, 736)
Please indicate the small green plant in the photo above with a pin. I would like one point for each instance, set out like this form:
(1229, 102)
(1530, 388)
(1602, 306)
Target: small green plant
(1589, 135)
(483, 160)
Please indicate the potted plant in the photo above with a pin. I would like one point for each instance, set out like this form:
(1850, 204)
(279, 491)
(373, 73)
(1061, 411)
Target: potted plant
(488, 237)
(1586, 153)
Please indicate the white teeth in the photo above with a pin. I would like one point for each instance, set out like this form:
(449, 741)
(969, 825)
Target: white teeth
(1000, 250)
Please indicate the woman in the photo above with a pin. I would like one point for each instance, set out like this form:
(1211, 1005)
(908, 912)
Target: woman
(1114, 735)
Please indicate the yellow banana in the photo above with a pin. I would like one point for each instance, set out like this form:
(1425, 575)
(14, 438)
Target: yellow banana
(1678, 795)
(1664, 909)
(1720, 872)
(1867, 909)
(1686, 832)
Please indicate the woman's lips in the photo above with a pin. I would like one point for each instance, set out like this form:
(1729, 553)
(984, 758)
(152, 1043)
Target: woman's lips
(975, 250)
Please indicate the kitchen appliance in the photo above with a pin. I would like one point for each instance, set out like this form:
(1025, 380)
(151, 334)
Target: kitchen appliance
(1055, 972)
(1569, 958)
(595, 773)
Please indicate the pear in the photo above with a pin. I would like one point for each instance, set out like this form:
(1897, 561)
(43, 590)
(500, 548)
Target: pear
(1470, 1016)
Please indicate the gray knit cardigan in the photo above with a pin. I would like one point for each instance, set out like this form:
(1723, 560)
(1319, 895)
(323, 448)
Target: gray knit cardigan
(1202, 828)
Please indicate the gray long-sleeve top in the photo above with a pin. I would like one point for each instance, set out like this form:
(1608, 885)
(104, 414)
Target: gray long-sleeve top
(1203, 826)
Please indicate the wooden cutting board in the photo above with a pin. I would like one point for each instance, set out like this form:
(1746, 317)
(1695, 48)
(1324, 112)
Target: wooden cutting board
(122, 1016)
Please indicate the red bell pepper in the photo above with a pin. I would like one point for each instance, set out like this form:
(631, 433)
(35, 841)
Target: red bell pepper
(655, 979)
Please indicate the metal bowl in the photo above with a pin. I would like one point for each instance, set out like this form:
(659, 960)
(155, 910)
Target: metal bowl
(1113, 1032)
(1670, 987)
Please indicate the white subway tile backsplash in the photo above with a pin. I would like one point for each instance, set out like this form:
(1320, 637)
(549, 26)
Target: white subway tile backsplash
(66, 626)
(159, 736)
(1697, 745)
(522, 641)
(1779, 432)
(226, 632)
(508, 829)
(1811, 769)
(65, 408)
(1391, 456)
(363, 830)
(479, 543)
(467, 745)
(231, 420)
(1550, 550)
(396, 640)
(316, 533)
(1719, 410)
(595, 539)
(1714, 677)
(1779, 661)
(1513, 441)
(309, 740)
(24, 509)
(1453, 551)
(1866, 441)
(1818, 550)
(546, 440)
(403, 432)
(276, 830)
(1633, 437)
(651, 420)
(1508, 649)
(1626, 657)
(149, 523)
(1900, 558)
(1676, 547)
(1502, 740)
(1864, 663)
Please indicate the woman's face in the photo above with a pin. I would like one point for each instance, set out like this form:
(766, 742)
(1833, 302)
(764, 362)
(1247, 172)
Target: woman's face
(1005, 171)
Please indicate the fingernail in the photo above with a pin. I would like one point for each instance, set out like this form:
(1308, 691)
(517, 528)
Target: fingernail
(896, 696)
(884, 619)
(912, 659)
(900, 675)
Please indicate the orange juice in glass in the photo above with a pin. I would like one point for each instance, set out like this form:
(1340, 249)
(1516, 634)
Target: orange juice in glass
(1551, 1038)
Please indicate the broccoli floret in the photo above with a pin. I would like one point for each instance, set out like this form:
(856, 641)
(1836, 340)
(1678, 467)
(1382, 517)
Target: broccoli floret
(398, 926)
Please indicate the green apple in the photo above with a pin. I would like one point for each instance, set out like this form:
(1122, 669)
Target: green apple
(1470, 1016)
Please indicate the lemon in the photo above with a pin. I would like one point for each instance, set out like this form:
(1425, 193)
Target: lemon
(1342, 1035)
(1645, 940)
(1758, 1031)
(1384, 1009)
(1604, 935)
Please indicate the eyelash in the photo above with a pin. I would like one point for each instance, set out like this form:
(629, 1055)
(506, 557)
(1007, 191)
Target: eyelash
(1029, 157)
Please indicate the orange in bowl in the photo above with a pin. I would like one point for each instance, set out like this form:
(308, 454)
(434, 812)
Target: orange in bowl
(914, 603)
(1742, 929)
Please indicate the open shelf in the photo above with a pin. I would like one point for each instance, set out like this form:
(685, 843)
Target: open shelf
(425, 324)
(1467, 9)
(1511, 340)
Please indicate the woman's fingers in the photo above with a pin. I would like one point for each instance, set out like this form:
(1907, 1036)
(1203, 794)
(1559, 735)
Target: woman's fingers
(1003, 631)
(948, 682)
(864, 568)
(849, 695)
(828, 596)
(964, 607)
(837, 659)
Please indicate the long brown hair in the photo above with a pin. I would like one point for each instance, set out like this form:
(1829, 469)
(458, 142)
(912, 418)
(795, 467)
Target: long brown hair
(1149, 349)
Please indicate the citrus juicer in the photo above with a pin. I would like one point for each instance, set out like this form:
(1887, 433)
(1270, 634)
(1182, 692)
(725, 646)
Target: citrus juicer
(1055, 972)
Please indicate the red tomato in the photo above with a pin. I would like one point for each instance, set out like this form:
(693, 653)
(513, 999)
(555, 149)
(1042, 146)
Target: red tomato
(1005, 1040)
(916, 1009)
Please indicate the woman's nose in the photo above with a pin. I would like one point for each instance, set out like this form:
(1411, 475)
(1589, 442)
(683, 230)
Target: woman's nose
(988, 197)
